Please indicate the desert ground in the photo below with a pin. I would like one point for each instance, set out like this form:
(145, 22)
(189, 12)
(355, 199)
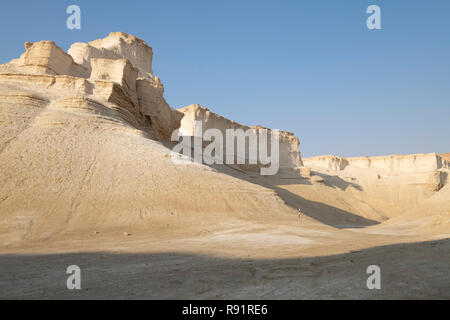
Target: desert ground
(87, 179)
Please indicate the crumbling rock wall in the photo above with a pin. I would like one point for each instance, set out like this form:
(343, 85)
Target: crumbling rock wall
(117, 72)
(290, 159)
(420, 170)
(117, 45)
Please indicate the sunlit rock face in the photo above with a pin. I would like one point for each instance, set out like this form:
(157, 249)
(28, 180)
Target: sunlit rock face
(117, 45)
(289, 154)
(402, 180)
(116, 70)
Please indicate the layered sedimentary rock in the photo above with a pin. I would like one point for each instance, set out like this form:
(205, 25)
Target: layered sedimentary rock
(289, 155)
(145, 87)
(45, 57)
(116, 70)
(395, 183)
(78, 155)
(327, 162)
(117, 45)
(85, 145)
(446, 157)
(402, 163)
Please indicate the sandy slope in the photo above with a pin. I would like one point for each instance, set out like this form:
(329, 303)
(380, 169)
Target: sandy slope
(66, 171)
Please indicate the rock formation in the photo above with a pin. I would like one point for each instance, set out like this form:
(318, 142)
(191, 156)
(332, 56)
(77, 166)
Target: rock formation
(290, 159)
(45, 57)
(400, 181)
(402, 163)
(118, 70)
(115, 70)
(117, 45)
(446, 157)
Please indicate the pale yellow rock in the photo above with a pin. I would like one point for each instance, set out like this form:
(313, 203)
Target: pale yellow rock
(317, 179)
(393, 183)
(163, 119)
(305, 172)
(117, 70)
(120, 71)
(289, 144)
(45, 57)
(84, 146)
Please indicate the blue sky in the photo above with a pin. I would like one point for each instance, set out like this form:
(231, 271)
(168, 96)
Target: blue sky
(311, 67)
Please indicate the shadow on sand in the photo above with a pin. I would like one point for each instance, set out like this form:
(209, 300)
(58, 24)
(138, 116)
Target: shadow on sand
(408, 271)
(321, 212)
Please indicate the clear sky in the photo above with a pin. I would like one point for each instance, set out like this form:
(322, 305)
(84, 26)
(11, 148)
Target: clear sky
(311, 67)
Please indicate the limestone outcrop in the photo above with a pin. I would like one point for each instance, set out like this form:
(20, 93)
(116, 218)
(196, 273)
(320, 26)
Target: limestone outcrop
(116, 46)
(421, 169)
(45, 57)
(115, 70)
(290, 159)
(86, 167)
(401, 163)
(327, 162)
(446, 157)
(395, 183)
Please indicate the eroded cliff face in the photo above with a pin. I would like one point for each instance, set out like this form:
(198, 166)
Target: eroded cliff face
(116, 70)
(400, 163)
(84, 146)
(289, 160)
(117, 45)
(446, 157)
(393, 183)
(423, 170)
